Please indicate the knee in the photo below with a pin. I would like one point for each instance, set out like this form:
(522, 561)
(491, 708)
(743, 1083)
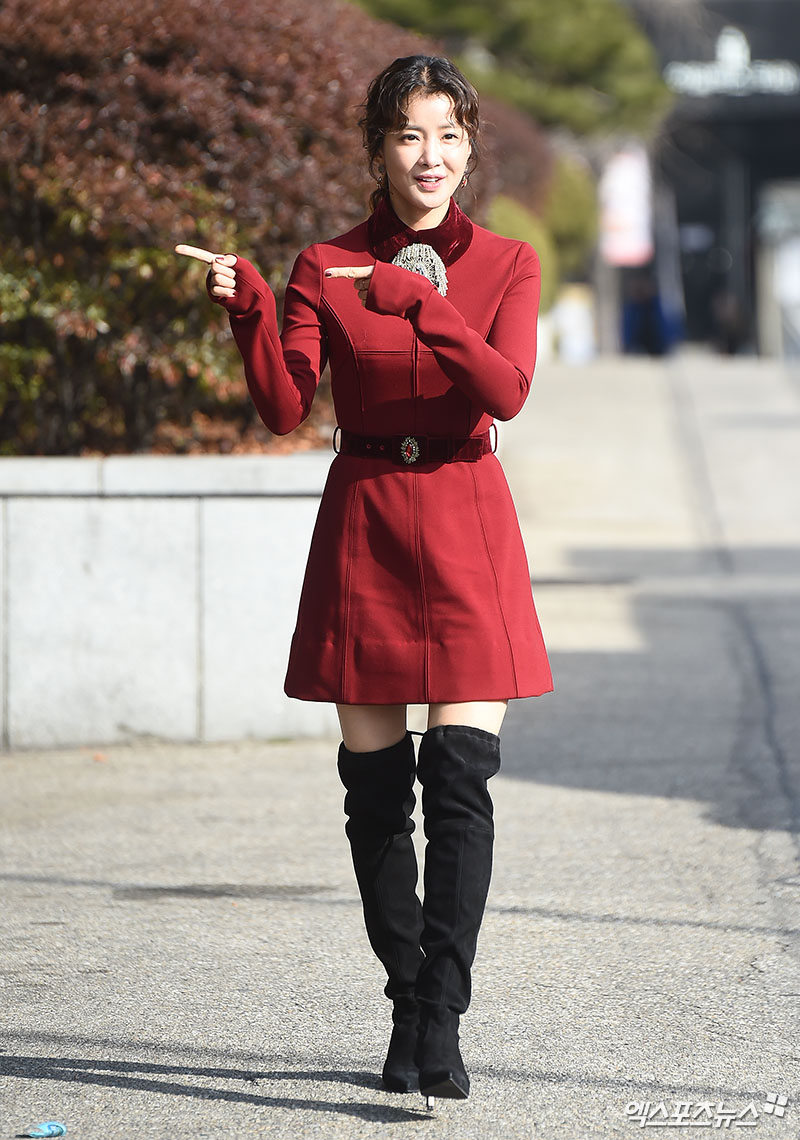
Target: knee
(372, 728)
(458, 752)
(455, 763)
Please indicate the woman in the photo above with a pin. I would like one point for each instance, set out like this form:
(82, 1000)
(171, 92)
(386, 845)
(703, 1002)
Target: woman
(417, 589)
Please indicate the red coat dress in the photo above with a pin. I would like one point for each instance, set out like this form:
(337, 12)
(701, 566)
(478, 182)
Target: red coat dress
(417, 587)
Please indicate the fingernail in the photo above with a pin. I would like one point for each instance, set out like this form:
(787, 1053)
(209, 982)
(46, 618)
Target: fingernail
(328, 273)
(220, 257)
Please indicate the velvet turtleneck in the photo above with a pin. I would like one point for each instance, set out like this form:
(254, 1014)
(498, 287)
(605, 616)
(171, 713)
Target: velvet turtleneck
(388, 234)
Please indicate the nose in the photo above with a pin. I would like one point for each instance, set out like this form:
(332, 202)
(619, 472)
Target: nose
(431, 152)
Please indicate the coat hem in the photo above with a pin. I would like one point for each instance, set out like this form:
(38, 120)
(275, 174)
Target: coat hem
(418, 699)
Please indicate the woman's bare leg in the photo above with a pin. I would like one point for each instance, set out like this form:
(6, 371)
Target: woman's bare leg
(487, 715)
(366, 728)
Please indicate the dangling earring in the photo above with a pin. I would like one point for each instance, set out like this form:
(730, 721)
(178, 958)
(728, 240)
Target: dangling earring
(465, 180)
(380, 178)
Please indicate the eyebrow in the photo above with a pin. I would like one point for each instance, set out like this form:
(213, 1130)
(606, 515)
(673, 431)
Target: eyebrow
(414, 127)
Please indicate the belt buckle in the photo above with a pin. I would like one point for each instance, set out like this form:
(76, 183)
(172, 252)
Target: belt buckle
(409, 449)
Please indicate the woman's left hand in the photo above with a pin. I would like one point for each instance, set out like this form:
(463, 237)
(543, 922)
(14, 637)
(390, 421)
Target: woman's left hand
(358, 274)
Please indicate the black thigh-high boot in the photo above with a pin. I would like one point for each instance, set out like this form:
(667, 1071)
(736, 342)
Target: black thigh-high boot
(455, 763)
(379, 803)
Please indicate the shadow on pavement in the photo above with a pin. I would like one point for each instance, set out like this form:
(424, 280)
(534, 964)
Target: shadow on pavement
(130, 1075)
(125, 1075)
(705, 707)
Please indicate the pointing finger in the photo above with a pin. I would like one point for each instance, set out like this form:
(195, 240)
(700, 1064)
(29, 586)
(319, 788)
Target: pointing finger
(351, 271)
(194, 251)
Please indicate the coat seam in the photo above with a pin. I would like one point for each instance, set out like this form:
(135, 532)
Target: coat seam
(354, 356)
(415, 384)
(496, 580)
(346, 608)
(421, 575)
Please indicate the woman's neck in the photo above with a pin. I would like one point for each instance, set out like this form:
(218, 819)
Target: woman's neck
(428, 220)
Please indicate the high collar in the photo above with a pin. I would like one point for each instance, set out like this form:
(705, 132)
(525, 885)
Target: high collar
(388, 235)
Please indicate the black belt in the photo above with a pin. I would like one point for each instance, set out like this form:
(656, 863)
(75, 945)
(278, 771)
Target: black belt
(406, 450)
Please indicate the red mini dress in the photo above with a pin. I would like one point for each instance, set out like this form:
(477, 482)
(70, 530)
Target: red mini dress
(417, 587)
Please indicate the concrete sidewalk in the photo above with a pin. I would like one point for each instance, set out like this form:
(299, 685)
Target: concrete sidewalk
(182, 948)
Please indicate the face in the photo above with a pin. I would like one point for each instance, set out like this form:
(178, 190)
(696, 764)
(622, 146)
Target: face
(425, 161)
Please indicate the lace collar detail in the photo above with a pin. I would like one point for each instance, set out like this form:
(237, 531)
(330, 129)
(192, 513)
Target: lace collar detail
(388, 235)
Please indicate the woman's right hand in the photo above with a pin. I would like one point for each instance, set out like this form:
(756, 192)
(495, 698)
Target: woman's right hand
(221, 281)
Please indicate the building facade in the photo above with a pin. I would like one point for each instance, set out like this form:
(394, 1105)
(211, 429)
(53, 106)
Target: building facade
(726, 168)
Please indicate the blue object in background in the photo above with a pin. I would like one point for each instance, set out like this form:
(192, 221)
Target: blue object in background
(48, 1128)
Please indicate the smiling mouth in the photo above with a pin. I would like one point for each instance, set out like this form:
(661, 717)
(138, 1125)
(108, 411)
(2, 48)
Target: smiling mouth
(431, 180)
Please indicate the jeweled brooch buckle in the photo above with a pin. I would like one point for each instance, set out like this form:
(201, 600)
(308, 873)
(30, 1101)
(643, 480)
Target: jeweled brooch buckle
(409, 449)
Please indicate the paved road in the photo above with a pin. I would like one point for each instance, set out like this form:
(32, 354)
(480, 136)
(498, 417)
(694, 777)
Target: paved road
(182, 950)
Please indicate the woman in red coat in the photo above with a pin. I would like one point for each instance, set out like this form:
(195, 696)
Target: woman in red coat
(417, 589)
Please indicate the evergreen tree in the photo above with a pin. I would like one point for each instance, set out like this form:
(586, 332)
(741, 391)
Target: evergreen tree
(580, 64)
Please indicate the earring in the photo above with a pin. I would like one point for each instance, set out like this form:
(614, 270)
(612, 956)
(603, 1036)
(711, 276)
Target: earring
(465, 179)
(380, 178)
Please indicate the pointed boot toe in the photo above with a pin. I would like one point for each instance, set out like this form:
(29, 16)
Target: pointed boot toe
(441, 1069)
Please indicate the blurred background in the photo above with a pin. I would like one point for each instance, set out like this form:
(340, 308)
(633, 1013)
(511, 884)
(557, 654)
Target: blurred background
(646, 149)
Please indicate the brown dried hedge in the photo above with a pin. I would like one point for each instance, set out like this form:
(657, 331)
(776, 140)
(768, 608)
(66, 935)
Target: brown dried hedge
(126, 127)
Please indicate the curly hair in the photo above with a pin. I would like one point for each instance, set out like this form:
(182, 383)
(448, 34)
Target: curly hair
(388, 95)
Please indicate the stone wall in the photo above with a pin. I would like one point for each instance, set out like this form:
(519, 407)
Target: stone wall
(149, 596)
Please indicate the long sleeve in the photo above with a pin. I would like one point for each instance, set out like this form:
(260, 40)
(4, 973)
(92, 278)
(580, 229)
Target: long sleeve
(282, 370)
(495, 373)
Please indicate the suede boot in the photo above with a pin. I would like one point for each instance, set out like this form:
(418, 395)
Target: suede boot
(378, 804)
(455, 763)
